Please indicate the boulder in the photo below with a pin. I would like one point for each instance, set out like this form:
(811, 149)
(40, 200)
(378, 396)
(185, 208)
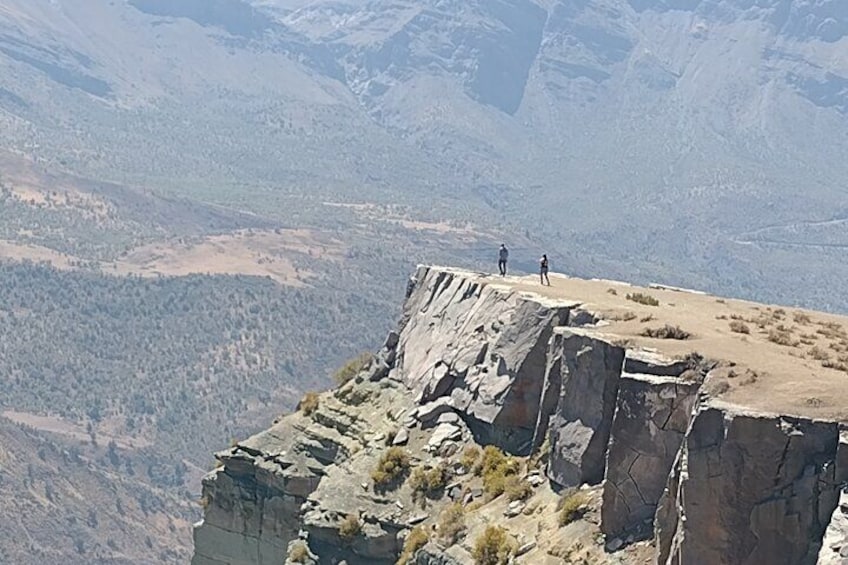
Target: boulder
(749, 488)
(580, 428)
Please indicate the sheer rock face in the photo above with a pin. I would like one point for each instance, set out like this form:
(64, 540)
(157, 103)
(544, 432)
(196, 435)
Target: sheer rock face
(483, 345)
(834, 549)
(651, 418)
(749, 489)
(590, 369)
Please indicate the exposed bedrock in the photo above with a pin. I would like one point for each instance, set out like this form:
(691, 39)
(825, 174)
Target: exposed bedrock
(651, 418)
(590, 370)
(749, 489)
(483, 345)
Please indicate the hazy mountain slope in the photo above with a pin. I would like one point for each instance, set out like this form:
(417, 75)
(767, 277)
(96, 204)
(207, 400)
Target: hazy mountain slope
(722, 117)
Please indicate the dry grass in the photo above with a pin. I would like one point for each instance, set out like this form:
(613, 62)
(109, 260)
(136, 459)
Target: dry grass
(645, 299)
(496, 468)
(801, 318)
(415, 540)
(739, 327)
(517, 488)
(451, 524)
(350, 369)
(309, 403)
(392, 467)
(666, 332)
(781, 336)
(612, 291)
(494, 547)
(571, 508)
(469, 458)
(350, 528)
(429, 482)
(298, 553)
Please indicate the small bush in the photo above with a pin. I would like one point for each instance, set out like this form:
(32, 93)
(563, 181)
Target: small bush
(739, 327)
(493, 547)
(517, 488)
(572, 507)
(802, 318)
(352, 368)
(666, 332)
(298, 553)
(819, 354)
(645, 299)
(451, 524)
(415, 540)
(350, 528)
(392, 467)
(469, 457)
(612, 291)
(495, 468)
(309, 403)
(783, 337)
(429, 482)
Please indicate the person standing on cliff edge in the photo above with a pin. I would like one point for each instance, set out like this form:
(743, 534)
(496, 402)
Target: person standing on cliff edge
(543, 270)
(503, 256)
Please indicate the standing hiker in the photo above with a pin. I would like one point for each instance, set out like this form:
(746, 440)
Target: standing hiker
(503, 255)
(543, 270)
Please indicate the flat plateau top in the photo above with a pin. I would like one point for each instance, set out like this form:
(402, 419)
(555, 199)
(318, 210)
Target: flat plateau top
(788, 360)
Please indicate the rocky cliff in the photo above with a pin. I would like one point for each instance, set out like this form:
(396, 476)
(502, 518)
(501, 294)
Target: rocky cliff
(623, 425)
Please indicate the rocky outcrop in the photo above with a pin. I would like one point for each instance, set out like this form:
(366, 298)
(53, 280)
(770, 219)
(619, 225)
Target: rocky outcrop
(580, 427)
(749, 489)
(651, 418)
(483, 345)
(475, 361)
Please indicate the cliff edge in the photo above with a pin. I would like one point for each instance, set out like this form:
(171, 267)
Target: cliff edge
(586, 421)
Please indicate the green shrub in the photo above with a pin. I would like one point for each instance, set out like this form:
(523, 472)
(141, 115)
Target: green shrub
(645, 299)
(309, 403)
(451, 524)
(392, 467)
(352, 368)
(350, 528)
(415, 540)
(493, 547)
(572, 507)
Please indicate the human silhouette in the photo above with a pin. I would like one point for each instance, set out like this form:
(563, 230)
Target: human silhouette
(503, 256)
(543, 270)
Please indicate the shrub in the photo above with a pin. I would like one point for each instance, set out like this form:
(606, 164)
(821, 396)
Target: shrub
(666, 332)
(298, 553)
(309, 403)
(645, 299)
(493, 547)
(469, 457)
(819, 354)
(572, 507)
(391, 468)
(802, 318)
(351, 368)
(429, 482)
(451, 524)
(782, 336)
(740, 327)
(415, 540)
(517, 488)
(350, 528)
(495, 468)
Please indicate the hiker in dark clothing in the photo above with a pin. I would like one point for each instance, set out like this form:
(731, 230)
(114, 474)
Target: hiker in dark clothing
(543, 270)
(503, 255)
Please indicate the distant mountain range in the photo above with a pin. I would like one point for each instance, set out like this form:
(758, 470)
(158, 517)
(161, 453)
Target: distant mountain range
(702, 142)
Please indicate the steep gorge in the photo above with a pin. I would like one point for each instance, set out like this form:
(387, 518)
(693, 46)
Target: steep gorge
(671, 467)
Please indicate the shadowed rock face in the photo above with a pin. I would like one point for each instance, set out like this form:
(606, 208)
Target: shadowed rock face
(651, 418)
(484, 347)
(749, 489)
(834, 549)
(580, 427)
